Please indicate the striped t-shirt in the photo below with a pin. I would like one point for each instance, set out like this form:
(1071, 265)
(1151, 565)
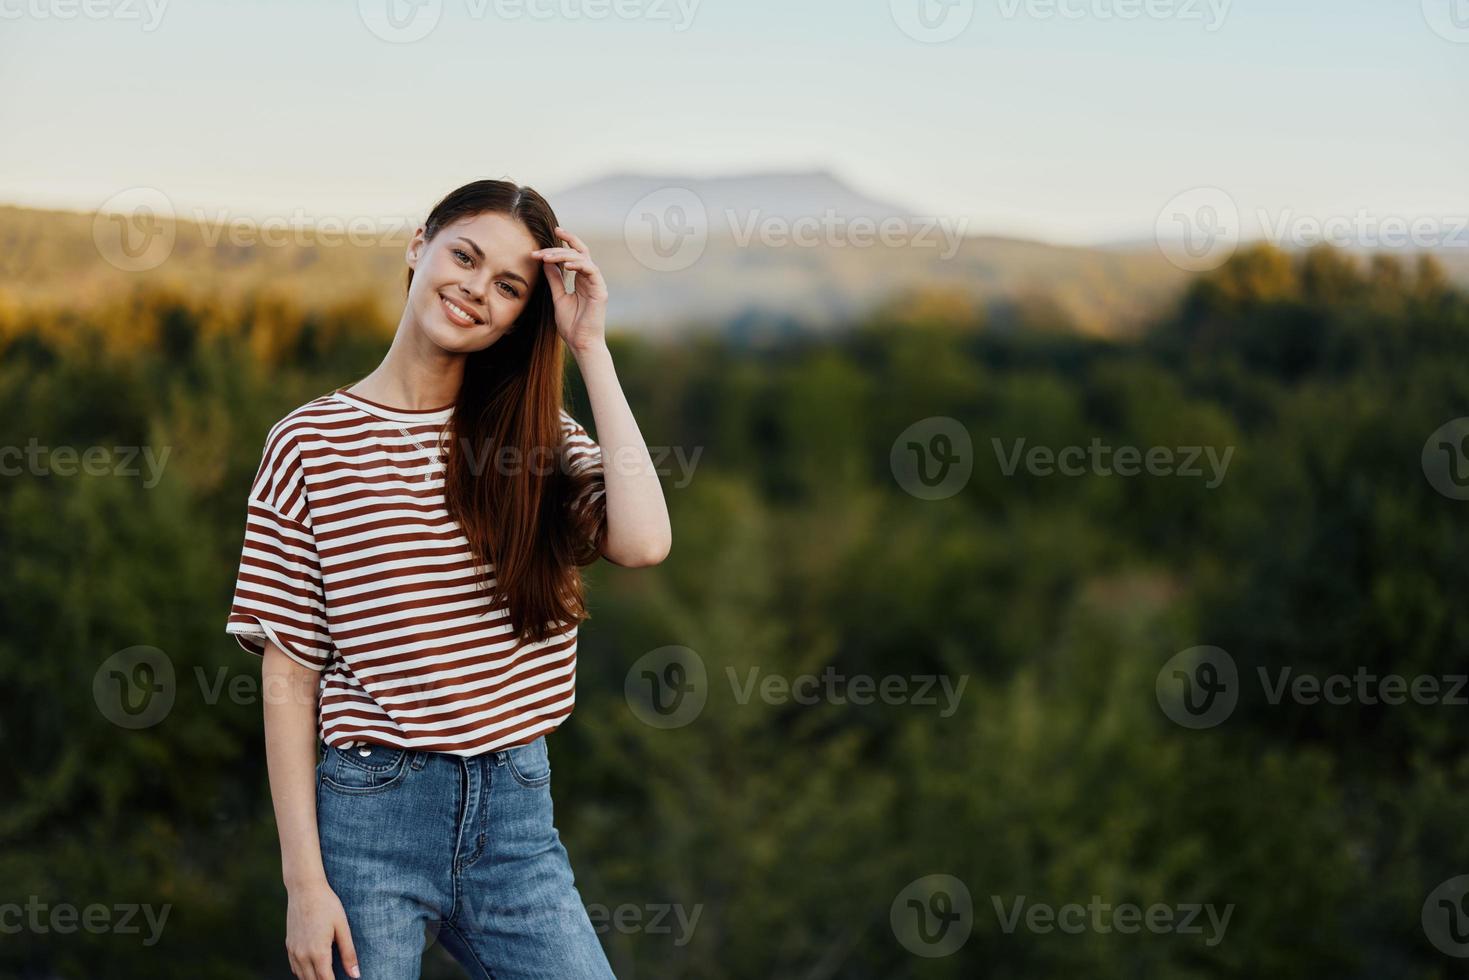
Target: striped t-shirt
(353, 566)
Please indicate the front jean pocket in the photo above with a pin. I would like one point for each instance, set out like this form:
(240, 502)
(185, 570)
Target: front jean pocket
(363, 769)
(530, 764)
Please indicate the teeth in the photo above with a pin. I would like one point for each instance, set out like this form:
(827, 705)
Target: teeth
(462, 312)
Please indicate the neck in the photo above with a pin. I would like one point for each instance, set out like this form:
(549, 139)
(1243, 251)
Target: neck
(414, 375)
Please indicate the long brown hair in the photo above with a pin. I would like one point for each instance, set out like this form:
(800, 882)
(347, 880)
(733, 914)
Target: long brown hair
(525, 510)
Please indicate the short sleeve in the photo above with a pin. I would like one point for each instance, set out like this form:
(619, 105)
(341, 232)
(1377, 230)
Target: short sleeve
(278, 591)
(583, 456)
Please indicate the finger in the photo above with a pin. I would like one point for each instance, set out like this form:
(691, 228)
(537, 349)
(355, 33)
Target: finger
(577, 243)
(587, 269)
(558, 253)
(555, 280)
(346, 950)
(322, 963)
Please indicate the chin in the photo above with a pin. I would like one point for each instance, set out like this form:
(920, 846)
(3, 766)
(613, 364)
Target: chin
(456, 339)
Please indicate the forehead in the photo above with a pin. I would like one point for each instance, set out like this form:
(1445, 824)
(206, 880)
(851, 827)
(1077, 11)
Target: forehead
(506, 242)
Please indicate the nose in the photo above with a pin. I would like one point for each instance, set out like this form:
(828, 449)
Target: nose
(477, 287)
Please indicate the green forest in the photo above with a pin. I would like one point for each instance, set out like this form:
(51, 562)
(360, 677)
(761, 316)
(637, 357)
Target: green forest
(1043, 608)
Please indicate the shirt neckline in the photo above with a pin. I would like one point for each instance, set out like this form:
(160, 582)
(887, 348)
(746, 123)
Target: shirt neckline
(442, 414)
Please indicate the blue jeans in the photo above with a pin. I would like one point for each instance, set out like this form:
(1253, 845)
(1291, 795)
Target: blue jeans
(427, 845)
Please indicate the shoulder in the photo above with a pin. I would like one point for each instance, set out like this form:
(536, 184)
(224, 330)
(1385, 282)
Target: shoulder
(280, 473)
(302, 422)
(581, 450)
(572, 429)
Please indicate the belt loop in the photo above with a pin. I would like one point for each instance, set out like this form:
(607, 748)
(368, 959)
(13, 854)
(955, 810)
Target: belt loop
(500, 757)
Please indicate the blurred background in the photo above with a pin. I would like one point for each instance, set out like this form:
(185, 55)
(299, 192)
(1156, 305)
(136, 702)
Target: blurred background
(1061, 404)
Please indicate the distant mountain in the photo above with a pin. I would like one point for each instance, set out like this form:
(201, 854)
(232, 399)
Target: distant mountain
(773, 282)
(744, 255)
(602, 206)
(683, 251)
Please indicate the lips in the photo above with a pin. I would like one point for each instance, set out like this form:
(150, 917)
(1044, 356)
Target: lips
(459, 315)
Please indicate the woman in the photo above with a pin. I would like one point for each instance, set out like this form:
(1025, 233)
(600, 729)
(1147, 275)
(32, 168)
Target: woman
(411, 575)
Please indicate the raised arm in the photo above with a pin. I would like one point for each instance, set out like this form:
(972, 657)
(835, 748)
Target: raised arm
(638, 531)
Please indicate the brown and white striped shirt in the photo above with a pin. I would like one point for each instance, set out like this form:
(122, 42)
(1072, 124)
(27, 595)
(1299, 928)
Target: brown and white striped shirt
(353, 566)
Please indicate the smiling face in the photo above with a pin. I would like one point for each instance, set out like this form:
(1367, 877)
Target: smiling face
(472, 281)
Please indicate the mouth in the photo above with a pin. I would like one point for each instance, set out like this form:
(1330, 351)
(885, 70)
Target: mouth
(457, 314)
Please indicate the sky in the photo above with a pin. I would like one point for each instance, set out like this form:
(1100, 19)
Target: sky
(1071, 121)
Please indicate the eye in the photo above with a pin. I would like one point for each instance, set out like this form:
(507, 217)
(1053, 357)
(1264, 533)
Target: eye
(461, 254)
(510, 290)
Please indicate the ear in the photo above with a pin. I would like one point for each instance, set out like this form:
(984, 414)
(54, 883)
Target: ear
(415, 248)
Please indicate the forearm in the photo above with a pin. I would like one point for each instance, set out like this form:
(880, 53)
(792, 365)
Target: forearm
(290, 754)
(638, 530)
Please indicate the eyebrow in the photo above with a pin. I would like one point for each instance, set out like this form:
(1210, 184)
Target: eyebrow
(507, 273)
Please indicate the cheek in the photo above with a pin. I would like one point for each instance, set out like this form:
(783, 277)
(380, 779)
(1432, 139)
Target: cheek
(508, 309)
